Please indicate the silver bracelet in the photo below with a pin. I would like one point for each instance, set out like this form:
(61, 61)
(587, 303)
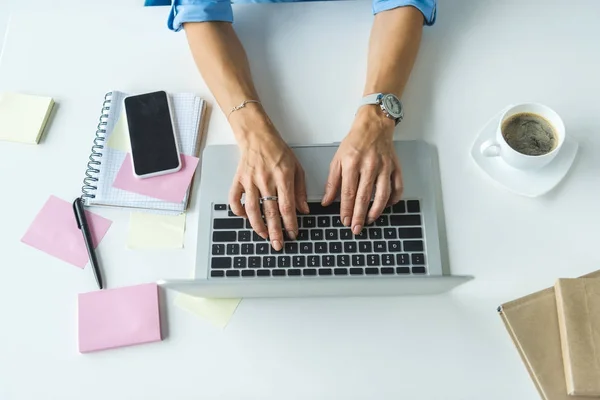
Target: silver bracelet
(242, 106)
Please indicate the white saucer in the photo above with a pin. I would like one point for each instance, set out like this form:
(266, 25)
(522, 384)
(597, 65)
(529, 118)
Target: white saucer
(526, 183)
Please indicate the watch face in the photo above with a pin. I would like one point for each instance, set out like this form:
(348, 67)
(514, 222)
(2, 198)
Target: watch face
(392, 105)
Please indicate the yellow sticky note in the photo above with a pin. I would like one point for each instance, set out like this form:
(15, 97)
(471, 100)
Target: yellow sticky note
(119, 137)
(216, 311)
(155, 231)
(23, 117)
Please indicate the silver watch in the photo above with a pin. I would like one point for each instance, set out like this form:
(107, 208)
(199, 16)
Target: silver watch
(390, 105)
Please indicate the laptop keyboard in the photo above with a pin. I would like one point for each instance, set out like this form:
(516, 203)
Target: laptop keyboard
(393, 245)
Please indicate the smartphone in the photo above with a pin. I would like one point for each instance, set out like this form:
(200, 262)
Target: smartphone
(154, 149)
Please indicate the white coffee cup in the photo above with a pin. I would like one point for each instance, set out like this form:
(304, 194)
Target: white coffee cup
(498, 147)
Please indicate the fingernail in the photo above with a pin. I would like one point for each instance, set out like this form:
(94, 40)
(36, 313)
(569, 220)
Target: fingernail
(306, 208)
(357, 229)
(346, 221)
(291, 235)
(277, 245)
(369, 221)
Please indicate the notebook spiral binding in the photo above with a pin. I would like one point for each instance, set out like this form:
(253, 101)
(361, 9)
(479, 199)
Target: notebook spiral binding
(91, 174)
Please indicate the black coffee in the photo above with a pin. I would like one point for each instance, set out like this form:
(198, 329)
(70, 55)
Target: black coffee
(529, 134)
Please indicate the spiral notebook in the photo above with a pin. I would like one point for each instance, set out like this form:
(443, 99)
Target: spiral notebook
(104, 162)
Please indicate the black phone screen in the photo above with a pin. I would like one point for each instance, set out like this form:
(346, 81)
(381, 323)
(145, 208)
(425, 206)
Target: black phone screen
(153, 145)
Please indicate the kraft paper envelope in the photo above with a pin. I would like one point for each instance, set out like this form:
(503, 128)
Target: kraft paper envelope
(578, 304)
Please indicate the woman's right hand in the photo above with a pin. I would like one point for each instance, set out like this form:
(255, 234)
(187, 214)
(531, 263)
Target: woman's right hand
(268, 167)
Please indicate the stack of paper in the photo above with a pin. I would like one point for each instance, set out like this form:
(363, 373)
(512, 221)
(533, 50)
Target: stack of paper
(23, 117)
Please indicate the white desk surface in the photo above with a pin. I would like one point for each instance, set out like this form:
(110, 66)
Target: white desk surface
(479, 57)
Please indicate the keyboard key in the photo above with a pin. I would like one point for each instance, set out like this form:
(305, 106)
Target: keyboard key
(364, 247)
(379, 247)
(284, 261)
(387, 210)
(328, 261)
(331, 234)
(412, 206)
(413, 245)
(387, 259)
(278, 272)
(399, 207)
(220, 262)
(217, 273)
(263, 272)
(323, 222)
(375, 233)
(418, 259)
(298, 261)
(405, 220)
(309, 222)
(337, 222)
(220, 207)
(262, 248)
(402, 259)
(350, 247)
(294, 272)
(273, 251)
(244, 236)
(343, 260)
(382, 221)
(325, 271)
(306, 248)
(372, 271)
(291, 248)
(356, 271)
(239, 262)
(269, 262)
(248, 224)
(248, 272)
(233, 249)
(228, 236)
(363, 235)
(299, 222)
(317, 209)
(394, 246)
(228, 223)
(335, 247)
(402, 270)
(309, 272)
(302, 235)
(316, 234)
(373, 260)
(218, 249)
(256, 238)
(247, 248)
(340, 271)
(387, 270)
(345, 234)
(254, 262)
(232, 273)
(389, 233)
(321, 247)
(418, 270)
(231, 214)
(314, 261)
(410, 233)
(358, 260)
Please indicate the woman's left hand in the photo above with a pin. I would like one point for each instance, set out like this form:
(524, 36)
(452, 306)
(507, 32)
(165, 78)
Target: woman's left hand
(365, 163)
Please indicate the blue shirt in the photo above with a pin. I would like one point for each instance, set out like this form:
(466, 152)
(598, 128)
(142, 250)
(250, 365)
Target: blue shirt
(183, 11)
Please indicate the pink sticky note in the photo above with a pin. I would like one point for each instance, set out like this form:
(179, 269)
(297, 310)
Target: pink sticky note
(54, 231)
(171, 187)
(119, 317)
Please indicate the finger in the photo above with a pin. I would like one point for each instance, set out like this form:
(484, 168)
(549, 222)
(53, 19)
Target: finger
(333, 183)
(363, 199)
(235, 198)
(397, 186)
(271, 210)
(254, 212)
(383, 190)
(349, 188)
(300, 190)
(287, 207)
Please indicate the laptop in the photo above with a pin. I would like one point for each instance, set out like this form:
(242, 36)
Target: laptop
(402, 253)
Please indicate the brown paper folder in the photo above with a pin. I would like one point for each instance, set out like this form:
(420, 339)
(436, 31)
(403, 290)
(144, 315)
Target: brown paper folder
(532, 323)
(578, 304)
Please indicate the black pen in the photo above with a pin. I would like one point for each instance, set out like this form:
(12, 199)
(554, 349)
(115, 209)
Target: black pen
(82, 224)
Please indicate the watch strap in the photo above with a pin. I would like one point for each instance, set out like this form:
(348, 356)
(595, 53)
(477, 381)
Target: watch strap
(370, 99)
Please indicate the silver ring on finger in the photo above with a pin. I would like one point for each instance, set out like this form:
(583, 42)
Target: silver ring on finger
(269, 198)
